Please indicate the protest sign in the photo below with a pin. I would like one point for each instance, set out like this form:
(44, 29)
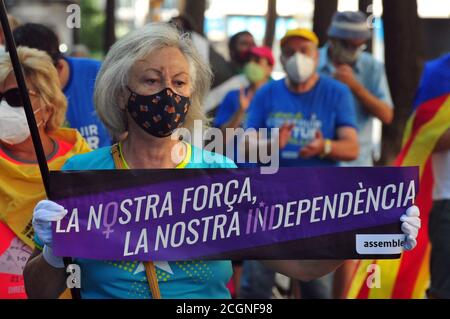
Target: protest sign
(172, 215)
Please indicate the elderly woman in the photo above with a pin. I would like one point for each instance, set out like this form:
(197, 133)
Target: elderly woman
(21, 186)
(144, 72)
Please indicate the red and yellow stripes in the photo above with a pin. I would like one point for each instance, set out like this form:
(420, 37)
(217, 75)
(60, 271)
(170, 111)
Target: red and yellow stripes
(408, 277)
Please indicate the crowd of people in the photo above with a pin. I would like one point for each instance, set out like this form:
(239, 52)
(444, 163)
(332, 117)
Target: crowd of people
(90, 117)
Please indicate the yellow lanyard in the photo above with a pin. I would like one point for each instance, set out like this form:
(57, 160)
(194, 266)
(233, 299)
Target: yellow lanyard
(150, 270)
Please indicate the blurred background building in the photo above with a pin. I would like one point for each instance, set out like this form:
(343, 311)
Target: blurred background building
(222, 18)
(51, 13)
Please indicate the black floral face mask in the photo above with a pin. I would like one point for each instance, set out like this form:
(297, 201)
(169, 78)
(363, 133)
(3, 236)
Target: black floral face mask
(159, 114)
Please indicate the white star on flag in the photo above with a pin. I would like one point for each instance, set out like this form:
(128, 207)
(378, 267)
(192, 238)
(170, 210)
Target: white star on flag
(163, 265)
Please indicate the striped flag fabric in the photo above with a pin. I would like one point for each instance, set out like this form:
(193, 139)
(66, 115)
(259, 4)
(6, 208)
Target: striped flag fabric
(408, 277)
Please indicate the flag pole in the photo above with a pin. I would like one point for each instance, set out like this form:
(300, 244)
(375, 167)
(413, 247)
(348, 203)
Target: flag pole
(34, 131)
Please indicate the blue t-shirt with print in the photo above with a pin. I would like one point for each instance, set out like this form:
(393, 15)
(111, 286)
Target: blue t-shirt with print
(81, 113)
(125, 279)
(328, 106)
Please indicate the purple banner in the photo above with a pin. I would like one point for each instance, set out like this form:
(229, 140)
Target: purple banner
(173, 215)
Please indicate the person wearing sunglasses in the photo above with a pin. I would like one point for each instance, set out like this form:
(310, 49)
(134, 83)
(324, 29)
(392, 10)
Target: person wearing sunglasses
(21, 186)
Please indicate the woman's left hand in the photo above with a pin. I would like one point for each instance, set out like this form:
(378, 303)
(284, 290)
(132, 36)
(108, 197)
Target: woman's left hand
(410, 226)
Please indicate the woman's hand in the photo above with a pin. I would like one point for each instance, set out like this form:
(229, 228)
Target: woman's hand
(44, 214)
(245, 98)
(410, 226)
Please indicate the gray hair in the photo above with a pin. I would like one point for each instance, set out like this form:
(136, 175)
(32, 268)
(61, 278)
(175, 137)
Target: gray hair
(113, 78)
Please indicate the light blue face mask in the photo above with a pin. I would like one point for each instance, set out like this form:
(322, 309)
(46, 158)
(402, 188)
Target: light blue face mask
(342, 55)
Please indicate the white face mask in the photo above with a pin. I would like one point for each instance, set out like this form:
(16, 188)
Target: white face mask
(342, 55)
(300, 67)
(13, 124)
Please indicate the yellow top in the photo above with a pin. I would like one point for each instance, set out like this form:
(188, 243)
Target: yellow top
(21, 186)
(183, 163)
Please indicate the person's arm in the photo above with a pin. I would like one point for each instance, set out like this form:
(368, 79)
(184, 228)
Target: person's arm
(235, 120)
(344, 148)
(305, 270)
(217, 94)
(373, 105)
(256, 119)
(44, 273)
(444, 143)
(238, 116)
(43, 281)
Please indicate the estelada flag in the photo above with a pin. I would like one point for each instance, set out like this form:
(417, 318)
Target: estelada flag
(408, 277)
(21, 185)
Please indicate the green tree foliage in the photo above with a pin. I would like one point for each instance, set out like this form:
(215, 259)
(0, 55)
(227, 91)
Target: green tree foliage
(92, 25)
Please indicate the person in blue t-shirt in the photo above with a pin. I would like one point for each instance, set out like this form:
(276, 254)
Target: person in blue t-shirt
(315, 114)
(232, 111)
(316, 118)
(79, 90)
(77, 77)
